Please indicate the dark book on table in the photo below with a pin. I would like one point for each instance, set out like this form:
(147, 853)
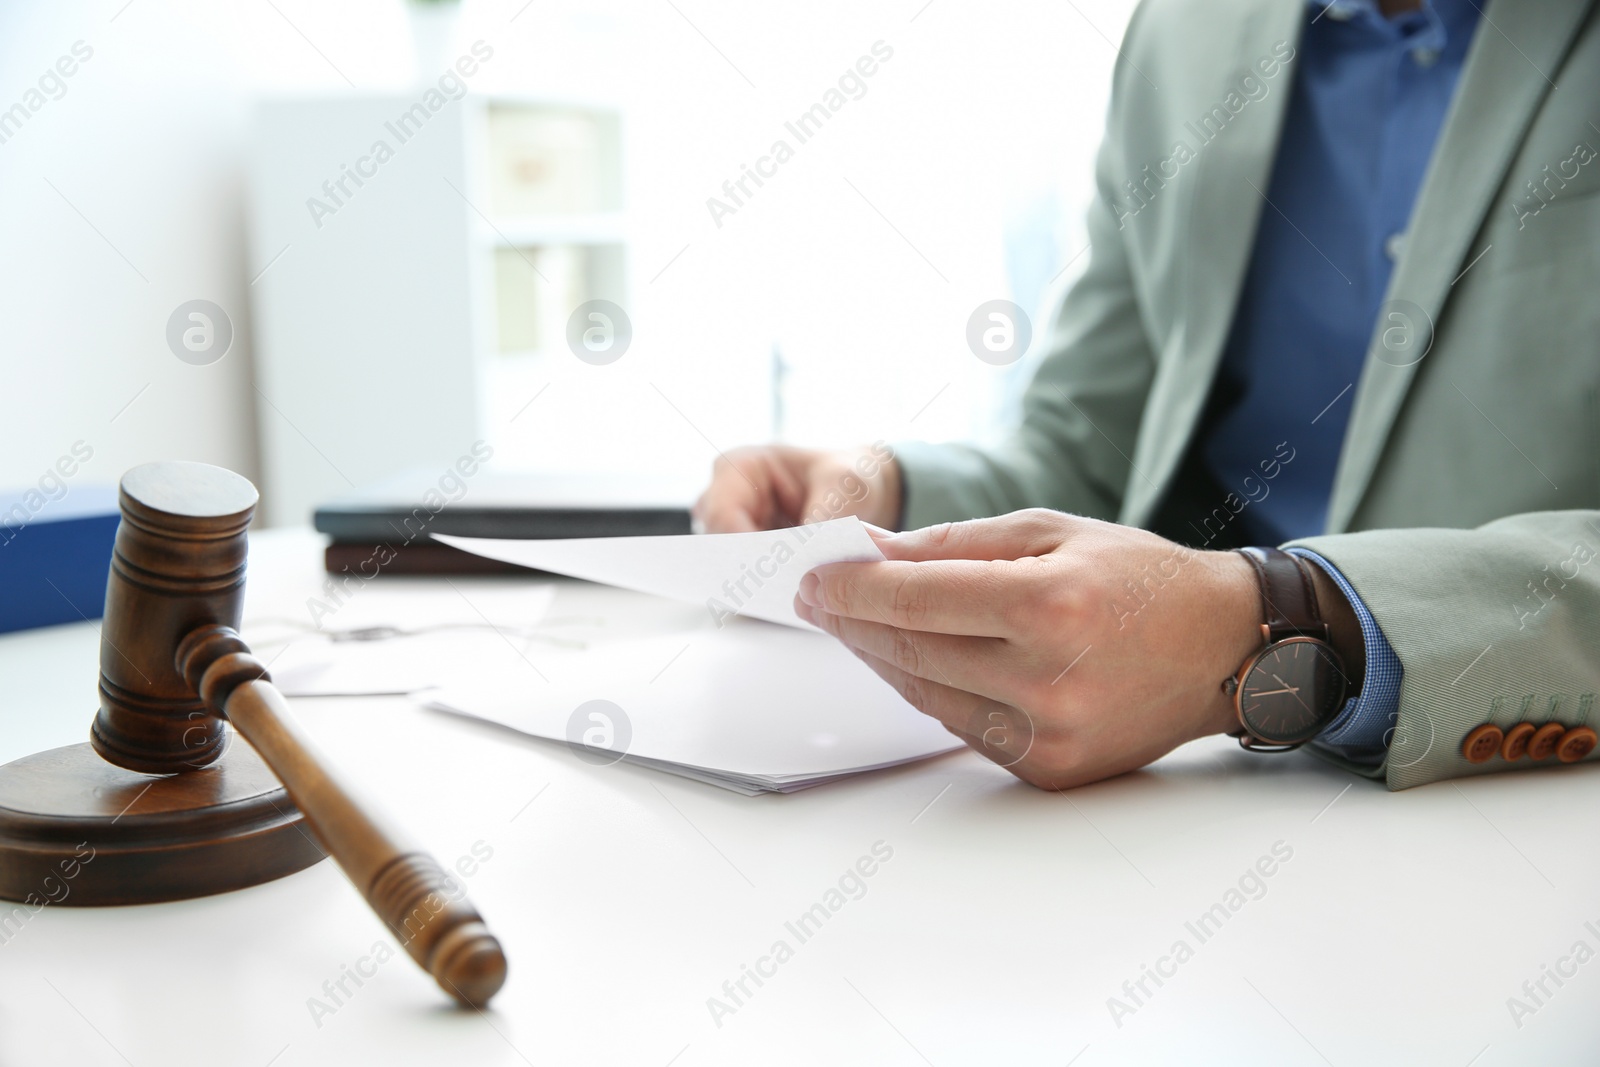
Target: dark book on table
(403, 513)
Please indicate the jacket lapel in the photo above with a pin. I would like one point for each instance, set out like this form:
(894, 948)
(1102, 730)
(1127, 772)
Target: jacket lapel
(1516, 51)
(1221, 219)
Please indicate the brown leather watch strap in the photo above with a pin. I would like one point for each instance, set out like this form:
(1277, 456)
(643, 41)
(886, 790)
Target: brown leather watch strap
(1288, 597)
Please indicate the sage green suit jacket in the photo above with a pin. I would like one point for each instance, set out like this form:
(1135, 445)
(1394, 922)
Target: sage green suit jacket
(1466, 506)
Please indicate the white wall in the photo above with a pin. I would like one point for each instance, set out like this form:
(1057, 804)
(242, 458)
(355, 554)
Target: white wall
(985, 119)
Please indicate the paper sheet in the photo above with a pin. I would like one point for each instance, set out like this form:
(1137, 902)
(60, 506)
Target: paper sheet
(745, 706)
(755, 575)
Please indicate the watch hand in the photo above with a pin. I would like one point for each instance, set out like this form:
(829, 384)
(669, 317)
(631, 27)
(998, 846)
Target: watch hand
(1292, 690)
(1269, 692)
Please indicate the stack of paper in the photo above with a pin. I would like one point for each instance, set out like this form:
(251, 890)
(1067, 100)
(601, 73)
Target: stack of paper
(750, 706)
(711, 695)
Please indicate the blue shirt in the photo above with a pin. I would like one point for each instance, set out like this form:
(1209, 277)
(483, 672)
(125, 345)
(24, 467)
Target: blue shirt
(1367, 102)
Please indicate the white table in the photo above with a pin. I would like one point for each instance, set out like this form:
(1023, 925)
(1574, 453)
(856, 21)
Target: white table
(996, 933)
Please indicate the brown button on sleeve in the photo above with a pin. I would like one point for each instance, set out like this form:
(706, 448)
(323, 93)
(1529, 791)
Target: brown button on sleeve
(1515, 746)
(1576, 744)
(1482, 743)
(1545, 740)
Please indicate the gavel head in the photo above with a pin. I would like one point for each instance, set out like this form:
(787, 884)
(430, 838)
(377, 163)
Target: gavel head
(178, 565)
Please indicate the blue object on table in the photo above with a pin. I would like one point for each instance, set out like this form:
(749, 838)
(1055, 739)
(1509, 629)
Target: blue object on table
(55, 555)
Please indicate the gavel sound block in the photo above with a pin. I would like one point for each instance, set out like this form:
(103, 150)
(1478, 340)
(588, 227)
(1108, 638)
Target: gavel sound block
(158, 805)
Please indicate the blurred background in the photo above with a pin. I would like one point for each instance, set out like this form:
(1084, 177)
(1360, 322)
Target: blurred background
(206, 254)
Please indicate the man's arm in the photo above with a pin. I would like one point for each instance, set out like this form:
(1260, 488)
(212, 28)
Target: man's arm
(1069, 649)
(1498, 624)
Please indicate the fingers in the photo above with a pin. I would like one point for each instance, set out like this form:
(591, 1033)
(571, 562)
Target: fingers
(772, 486)
(963, 597)
(758, 488)
(745, 493)
(953, 707)
(996, 731)
(1033, 532)
(783, 466)
(720, 511)
(986, 666)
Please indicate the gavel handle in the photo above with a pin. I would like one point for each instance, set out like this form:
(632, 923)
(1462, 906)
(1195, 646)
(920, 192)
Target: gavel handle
(421, 905)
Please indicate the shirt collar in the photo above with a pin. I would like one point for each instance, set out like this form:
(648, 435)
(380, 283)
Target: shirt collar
(1427, 27)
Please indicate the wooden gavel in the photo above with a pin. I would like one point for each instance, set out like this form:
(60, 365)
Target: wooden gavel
(174, 672)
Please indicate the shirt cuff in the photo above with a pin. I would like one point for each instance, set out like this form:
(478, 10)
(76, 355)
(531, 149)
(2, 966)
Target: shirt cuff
(1362, 729)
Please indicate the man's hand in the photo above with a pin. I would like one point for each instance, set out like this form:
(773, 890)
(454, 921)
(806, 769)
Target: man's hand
(1065, 649)
(772, 486)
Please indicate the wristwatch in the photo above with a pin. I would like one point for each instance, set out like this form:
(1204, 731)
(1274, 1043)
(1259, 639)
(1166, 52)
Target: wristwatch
(1292, 687)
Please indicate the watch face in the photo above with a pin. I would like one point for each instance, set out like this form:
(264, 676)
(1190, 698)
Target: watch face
(1292, 690)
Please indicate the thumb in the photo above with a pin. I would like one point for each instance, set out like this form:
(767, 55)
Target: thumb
(1022, 533)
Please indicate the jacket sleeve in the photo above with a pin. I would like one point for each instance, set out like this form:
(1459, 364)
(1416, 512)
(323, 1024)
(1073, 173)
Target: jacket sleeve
(1499, 624)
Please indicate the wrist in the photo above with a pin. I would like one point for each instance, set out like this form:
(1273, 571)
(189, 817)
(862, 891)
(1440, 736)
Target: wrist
(1238, 598)
(885, 494)
(1344, 627)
